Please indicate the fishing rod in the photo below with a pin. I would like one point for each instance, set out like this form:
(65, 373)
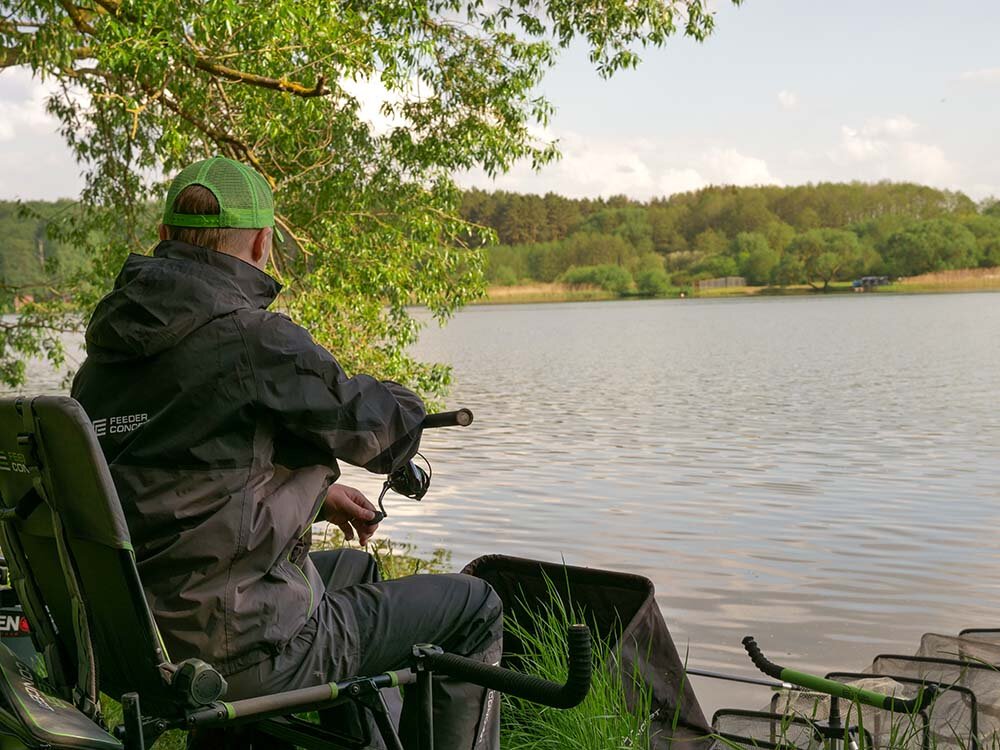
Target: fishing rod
(838, 689)
(739, 678)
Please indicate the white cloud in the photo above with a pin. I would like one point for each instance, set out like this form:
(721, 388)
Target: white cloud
(730, 167)
(373, 99)
(896, 126)
(927, 162)
(855, 145)
(640, 168)
(980, 190)
(36, 162)
(883, 148)
(788, 100)
(984, 75)
(22, 105)
(680, 181)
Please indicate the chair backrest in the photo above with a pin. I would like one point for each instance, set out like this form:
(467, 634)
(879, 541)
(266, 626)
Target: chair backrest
(70, 555)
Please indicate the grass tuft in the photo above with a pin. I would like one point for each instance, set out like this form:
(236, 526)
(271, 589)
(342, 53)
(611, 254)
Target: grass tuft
(603, 721)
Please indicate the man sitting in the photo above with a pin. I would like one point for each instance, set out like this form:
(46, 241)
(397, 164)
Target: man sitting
(222, 424)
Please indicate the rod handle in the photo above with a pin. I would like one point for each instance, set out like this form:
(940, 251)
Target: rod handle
(535, 689)
(759, 660)
(457, 418)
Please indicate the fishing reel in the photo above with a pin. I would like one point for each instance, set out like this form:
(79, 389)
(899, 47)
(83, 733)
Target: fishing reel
(409, 480)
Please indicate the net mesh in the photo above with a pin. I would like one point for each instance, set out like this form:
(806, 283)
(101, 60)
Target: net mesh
(963, 670)
(964, 648)
(881, 728)
(772, 728)
(950, 719)
(980, 680)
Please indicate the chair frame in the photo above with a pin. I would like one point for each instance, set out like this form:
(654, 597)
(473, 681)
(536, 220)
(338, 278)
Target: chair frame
(32, 506)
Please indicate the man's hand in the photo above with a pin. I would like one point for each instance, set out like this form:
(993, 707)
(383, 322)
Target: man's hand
(349, 509)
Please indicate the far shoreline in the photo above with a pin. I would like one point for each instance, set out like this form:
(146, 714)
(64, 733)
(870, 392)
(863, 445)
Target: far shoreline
(942, 282)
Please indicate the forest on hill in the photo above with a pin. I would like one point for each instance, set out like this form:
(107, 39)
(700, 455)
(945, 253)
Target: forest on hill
(809, 234)
(29, 257)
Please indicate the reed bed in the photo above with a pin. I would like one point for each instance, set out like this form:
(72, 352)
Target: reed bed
(963, 279)
(555, 292)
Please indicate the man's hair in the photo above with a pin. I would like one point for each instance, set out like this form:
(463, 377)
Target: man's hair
(198, 200)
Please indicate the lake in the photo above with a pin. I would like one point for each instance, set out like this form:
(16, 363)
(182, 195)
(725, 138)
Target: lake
(823, 473)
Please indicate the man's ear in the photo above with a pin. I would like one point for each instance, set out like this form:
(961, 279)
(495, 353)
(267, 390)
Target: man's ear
(261, 247)
(163, 232)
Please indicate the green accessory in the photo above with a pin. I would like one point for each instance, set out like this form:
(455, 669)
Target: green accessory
(244, 197)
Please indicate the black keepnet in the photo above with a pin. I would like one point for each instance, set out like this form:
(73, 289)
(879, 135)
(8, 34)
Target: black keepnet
(620, 608)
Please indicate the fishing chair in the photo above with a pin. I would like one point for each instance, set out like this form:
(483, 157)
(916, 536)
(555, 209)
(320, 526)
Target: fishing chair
(73, 568)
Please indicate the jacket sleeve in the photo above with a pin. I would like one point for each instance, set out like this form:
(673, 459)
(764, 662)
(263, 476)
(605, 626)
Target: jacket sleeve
(360, 420)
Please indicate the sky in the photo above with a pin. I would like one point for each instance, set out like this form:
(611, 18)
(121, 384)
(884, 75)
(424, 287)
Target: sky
(785, 92)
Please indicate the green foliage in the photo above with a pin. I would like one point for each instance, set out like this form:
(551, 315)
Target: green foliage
(755, 257)
(716, 265)
(395, 559)
(822, 255)
(709, 243)
(725, 231)
(934, 245)
(608, 277)
(653, 283)
(143, 88)
(503, 275)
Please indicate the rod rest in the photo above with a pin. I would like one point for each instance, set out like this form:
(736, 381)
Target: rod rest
(528, 687)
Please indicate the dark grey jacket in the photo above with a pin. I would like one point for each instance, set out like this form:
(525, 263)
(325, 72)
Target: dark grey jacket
(222, 424)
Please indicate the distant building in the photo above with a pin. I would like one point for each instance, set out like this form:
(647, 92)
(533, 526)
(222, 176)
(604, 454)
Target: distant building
(725, 281)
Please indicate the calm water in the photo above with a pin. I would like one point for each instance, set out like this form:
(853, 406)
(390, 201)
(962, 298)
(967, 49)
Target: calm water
(822, 473)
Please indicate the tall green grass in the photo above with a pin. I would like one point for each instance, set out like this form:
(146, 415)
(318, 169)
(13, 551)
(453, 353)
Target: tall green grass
(604, 721)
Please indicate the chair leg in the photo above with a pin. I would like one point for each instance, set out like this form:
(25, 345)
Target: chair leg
(380, 712)
(425, 692)
(132, 715)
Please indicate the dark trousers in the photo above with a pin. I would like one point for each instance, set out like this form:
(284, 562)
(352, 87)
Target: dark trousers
(365, 626)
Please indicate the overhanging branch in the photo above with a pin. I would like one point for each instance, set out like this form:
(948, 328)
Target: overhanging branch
(277, 84)
(78, 16)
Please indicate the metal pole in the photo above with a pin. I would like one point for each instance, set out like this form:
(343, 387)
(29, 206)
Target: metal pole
(132, 719)
(425, 691)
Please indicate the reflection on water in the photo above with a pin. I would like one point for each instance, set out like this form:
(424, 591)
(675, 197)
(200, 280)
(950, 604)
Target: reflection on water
(822, 473)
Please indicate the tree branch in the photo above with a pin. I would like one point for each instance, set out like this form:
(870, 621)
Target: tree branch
(11, 56)
(111, 6)
(218, 136)
(277, 84)
(78, 17)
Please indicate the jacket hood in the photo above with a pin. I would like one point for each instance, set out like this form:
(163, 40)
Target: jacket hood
(160, 299)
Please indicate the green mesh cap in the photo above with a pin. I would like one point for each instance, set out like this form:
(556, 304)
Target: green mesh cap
(245, 199)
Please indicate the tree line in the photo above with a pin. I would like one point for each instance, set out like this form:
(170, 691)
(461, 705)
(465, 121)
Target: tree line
(810, 234)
